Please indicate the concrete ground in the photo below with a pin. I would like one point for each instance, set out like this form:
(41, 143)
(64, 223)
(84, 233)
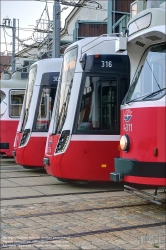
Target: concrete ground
(40, 212)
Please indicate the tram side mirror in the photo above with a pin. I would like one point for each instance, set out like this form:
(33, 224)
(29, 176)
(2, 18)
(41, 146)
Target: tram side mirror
(83, 61)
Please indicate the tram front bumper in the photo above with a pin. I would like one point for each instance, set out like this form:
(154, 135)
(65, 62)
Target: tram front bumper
(129, 167)
(117, 176)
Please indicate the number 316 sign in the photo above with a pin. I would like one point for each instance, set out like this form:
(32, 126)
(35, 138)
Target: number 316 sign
(106, 64)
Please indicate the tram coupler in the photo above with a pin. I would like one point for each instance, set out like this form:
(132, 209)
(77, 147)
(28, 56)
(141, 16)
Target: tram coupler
(116, 177)
(46, 161)
(14, 153)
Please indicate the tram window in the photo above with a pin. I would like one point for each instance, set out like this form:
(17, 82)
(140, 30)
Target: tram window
(16, 101)
(2, 96)
(98, 109)
(44, 109)
(150, 77)
(66, 82)
(3, 104)
(150, 80)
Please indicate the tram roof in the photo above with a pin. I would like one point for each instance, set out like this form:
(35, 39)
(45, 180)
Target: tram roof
(13, 83)
(47, 61)
(86, 41)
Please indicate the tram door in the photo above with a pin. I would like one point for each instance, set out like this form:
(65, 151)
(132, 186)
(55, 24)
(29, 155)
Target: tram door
(108, 98)
(98, 109)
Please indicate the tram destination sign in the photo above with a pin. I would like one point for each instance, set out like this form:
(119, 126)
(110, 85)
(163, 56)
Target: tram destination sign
(107, 63)
(50, 78)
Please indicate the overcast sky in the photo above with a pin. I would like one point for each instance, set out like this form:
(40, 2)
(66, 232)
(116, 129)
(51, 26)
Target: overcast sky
(27, 12)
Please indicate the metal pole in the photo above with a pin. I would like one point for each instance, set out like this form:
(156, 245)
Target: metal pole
(114, 16)
(56, 30)
(18, 34)
(13, 49)
(109, 19)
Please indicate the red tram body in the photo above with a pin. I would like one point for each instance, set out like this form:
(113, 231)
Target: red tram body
(11, 100)
(34, 122)
(143, 110)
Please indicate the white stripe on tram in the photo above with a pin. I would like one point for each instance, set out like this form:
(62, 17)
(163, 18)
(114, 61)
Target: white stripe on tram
(95, 138)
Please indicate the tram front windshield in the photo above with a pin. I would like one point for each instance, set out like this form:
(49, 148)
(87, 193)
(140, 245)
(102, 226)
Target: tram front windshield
(66, 82)
(150, 79)
(29, 91)
(44, 109)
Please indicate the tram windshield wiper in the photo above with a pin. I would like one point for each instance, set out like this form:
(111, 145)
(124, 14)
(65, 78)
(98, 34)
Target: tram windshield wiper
(146, 96)
(153, 93)
(133, 100)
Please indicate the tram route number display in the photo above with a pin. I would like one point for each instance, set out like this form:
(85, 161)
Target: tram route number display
(55, 78)
(128, 127)
(106, 64)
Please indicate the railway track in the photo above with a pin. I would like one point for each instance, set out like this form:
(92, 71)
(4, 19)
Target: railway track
(76, 211)
(72, 213)
(54, 195)
(86, 233)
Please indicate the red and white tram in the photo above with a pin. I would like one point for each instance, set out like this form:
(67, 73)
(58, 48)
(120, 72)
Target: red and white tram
(36, 114)
(143, 111)
(11, 99)
(84, 132)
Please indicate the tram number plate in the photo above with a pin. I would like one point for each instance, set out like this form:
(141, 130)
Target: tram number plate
(106, 64)
(128, 127)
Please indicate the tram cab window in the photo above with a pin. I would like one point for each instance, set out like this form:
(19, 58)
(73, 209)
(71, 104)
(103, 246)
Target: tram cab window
(16, 102)
(44, 109)
(150, 78)
(98, 110)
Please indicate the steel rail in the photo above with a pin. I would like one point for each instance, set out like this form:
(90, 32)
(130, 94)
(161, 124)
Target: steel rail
(77, 211)
(54, 195)
(74, 235)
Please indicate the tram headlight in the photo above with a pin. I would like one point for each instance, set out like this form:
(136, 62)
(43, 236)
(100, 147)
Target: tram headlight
(63, 140)
(24, 137)
(125, 143)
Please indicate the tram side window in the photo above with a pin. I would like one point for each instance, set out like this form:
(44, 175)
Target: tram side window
(98, 109)
(16, 101)
(44, 110)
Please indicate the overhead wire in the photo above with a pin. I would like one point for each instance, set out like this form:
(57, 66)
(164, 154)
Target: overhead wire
(50, 24)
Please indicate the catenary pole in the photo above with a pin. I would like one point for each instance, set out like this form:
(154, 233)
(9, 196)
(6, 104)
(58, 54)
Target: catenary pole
(13, 44)
(56, 30)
